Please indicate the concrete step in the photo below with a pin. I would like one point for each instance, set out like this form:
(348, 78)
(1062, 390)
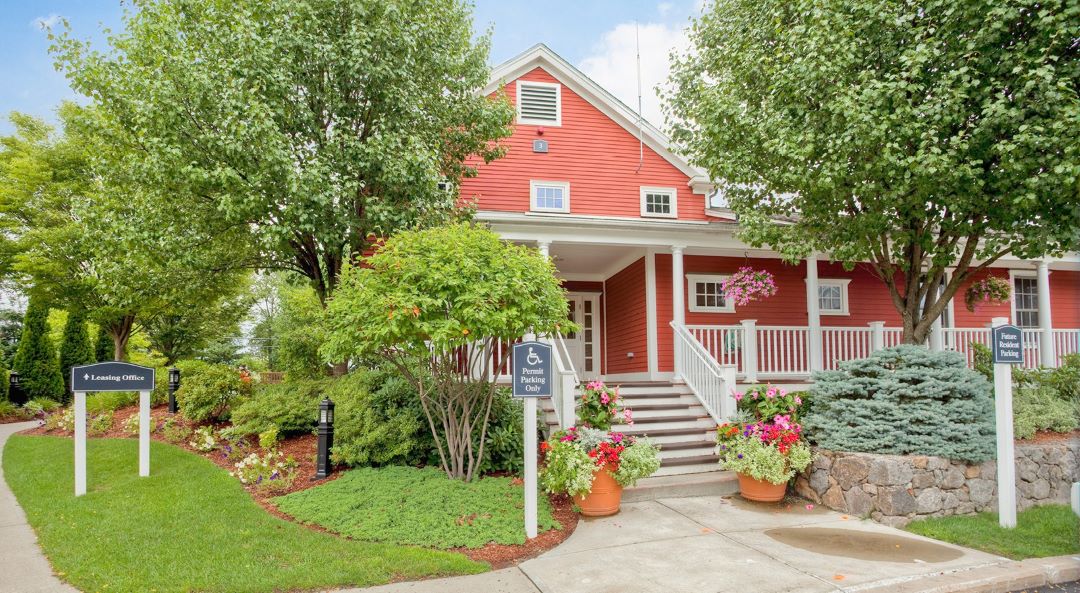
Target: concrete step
(659, 400)
(689, 468)
(652, 389)
(689, 459)
(688, 445)
(702, 449)
(714, 483)
(656, 426)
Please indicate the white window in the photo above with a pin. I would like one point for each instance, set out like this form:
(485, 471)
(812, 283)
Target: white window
(539, 103)
(706, 295)
(659, 202)
(833, 297)
(550, 196)
(1026, 301)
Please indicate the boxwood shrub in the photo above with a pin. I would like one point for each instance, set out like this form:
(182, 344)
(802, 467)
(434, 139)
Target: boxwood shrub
(904, 400)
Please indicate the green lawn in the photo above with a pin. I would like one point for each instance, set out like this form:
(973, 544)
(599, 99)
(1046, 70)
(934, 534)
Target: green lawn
(188, 527)
(1052, 530)
(405, 505)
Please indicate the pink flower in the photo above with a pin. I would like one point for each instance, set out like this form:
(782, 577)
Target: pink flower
(798, 400)
(809, 507)
(738, 396)
(628, 416)
(604, 398)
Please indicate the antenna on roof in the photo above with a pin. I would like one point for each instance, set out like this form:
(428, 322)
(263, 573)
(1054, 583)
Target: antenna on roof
(641, 147)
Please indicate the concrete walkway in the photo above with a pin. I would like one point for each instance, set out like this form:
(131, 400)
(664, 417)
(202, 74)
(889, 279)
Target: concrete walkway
(23, 568)
(712, 544)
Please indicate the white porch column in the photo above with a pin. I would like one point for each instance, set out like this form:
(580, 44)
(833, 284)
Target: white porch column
(813, 311)
(877, 335)
(678, 288)
(937, 336)
(652, 348)
(749, 350)
(1046, 339)
(544, 247)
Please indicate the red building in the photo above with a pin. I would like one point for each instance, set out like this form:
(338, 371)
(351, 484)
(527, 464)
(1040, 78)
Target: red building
(642, 251)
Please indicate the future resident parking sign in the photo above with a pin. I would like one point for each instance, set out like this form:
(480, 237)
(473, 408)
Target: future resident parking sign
(532, 369)
(1008, 344)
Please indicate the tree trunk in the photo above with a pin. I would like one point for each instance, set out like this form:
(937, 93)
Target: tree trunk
(120, 331)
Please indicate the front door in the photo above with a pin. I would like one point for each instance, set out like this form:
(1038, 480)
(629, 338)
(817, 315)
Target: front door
(584, 345)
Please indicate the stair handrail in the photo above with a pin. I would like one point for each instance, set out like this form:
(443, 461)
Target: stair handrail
(566, 382)
(712, 383)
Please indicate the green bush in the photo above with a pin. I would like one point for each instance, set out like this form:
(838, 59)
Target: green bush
(75, 348)
(110, 401)
(1040, 407)
(35, 359)
(904, 400)
(291, 407)
(10, 410)
(378, 420)
(103, 346)
(208, 391)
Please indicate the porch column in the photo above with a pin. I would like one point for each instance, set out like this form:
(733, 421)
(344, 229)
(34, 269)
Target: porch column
(678, 288)
(544, 247)
(813, 312)
(1046, 337)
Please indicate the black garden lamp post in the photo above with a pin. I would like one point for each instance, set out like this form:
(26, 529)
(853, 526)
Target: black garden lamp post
(15, 394)
(326, 439)
(174, 384)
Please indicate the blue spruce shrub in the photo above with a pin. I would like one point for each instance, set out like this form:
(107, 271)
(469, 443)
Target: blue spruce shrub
(904, 400)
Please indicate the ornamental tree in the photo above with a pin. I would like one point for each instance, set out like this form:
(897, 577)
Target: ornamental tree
(447, 300)
(917, 137)
(312, 125)
(103, 346)
(75, 348)
(35, 360)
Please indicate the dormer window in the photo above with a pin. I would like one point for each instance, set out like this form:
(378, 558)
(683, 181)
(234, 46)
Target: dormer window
(539, 103)
(659, 202)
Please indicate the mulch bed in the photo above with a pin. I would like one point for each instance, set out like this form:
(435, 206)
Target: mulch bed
(1051, 437)
(303, 449)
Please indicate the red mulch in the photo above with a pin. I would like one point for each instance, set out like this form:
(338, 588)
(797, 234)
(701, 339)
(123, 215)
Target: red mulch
(303, 449)
(1051, 437)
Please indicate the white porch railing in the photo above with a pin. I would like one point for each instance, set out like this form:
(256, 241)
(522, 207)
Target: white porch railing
(784, 351)
(565, 385)
(711, 382)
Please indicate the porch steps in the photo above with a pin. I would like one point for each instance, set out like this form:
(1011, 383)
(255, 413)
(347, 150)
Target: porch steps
(713, 483)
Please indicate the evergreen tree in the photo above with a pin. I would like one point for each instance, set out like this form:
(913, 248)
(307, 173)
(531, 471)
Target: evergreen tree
(103, 346)
(75, 348)
(36, 360)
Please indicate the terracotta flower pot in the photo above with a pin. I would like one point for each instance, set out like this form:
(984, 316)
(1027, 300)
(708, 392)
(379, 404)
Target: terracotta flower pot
(604, 497)
(760, 490)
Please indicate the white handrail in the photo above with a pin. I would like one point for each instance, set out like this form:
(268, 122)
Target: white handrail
(565, 384)
(712, 383)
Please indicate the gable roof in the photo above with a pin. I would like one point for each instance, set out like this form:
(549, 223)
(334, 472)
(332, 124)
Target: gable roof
(541, 56)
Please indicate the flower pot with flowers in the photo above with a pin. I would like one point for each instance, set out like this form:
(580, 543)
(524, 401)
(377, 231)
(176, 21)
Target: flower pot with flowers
(767, 448)
(590, 462)
(748, 285)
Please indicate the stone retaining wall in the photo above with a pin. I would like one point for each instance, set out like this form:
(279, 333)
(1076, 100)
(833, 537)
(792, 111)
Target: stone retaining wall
(894, 489)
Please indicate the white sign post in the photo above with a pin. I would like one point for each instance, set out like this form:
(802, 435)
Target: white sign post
(110, 376)
(1007, 345)
(532, 380)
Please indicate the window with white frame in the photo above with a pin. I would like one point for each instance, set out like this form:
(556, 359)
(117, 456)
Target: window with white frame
(539, 103)
(550, 196)
(833, 297)
(1026, 301)
(707, 295)
(659, 202)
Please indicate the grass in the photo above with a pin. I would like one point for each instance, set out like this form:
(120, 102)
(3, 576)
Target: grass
(1051, 530)
(405, 505)
(188, 527)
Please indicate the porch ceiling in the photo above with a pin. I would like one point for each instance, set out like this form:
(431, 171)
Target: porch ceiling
(576, 261)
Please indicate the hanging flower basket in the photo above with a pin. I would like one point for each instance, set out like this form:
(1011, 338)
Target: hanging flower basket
(990, 290)
(748, 285)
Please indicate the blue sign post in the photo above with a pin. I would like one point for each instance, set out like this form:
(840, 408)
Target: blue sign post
(110, 376)
(1007, 345)
(532, 380)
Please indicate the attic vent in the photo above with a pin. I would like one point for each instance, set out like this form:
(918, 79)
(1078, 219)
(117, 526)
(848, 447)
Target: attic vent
(539, 103)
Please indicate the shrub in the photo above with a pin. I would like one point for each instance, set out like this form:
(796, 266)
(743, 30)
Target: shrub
(62, 420)
(99, 424)
(1038, 407)
(10, 410)
(174, 430)
(110, 401)
(291, 408)
(378, 420)
(904, 400)
(131, 425)
(104, 350)
(35, 359)
(208, 392)
(273, 472)
(41, 406)
(75, 348)
(203, 439)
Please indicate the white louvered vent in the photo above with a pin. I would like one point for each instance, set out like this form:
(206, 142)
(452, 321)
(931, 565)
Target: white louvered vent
(539, 103)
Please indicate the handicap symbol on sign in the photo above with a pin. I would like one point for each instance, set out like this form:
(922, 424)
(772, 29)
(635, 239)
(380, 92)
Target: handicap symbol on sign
(534, 358)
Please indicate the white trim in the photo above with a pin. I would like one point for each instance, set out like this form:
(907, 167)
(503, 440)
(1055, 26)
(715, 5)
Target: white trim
(691, 293)
(563, 185)
(541, 56)
(581, 277)
(844, 305)
(673, 201)
(558, 104)
(652, 347)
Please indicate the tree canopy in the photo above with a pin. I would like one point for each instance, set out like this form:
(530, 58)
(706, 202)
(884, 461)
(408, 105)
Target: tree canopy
(918, 137)
(314, 125)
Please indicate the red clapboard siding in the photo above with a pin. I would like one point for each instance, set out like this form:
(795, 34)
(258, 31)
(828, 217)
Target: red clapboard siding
(868, 297)
(624, 297)
(1065, 299)
(598, 157)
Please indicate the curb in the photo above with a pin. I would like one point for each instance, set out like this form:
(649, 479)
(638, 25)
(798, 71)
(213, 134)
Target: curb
(997, 578)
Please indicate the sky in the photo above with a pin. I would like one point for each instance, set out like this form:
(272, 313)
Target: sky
(598, 36)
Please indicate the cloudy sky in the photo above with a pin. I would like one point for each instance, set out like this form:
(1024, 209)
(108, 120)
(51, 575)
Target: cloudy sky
(596, 35)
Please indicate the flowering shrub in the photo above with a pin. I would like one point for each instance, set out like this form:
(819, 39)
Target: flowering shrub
(234, 448)
(131, 425)
(770, 451)
(990, 290)
(174, 430)
(273, 471)
(63, 420)
(204, 440)
(599, 407)
(99, 424)
(574, 455)
(748, 285)
(767, 401)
